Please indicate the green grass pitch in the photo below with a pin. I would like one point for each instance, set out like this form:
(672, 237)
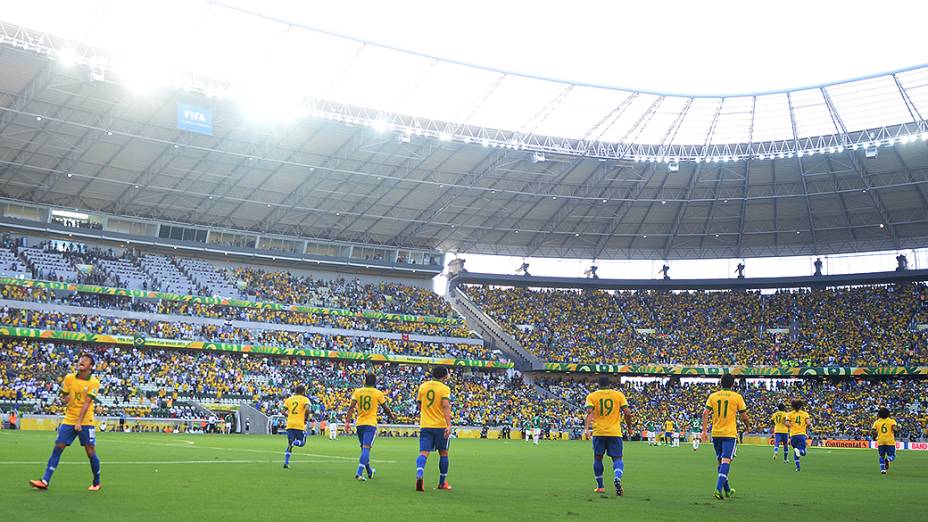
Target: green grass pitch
(215, 477)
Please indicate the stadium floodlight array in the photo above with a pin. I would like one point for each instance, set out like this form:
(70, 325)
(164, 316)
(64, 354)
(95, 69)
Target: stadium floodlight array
(493, 109)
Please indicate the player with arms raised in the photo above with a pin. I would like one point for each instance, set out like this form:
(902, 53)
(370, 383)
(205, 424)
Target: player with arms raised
(367, 400)
(884, 430)
(780, 432)
(799, 424)
(78, 391)
(297, 410)
(724, 406)
(434, 399)
(604, 409)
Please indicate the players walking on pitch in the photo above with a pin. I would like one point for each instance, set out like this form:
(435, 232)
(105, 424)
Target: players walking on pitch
(297, 410)
(724, 405)
(434, 399)
(799, 425)
(780, 432)
(78, 391)
(367, 400)
(695, 430)
(884, 431)
(604, 409)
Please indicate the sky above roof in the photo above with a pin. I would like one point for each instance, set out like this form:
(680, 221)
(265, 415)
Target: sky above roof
(712, 47)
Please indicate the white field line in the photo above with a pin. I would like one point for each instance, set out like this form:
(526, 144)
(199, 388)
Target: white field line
(194, 445)
(159, 462)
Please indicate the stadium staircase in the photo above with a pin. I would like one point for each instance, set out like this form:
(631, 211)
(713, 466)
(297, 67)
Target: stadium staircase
(492, 333)
(256, 419)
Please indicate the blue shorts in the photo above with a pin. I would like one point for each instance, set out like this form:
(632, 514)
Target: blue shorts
(888, 450)
(780, 438)
(724, 447)
(366, 435)
(668, 434)
(611, 446)
(432, 439)
(67, 434)
(294, 435)
(798, 441)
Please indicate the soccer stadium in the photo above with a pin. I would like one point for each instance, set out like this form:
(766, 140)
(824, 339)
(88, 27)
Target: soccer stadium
(268, 260)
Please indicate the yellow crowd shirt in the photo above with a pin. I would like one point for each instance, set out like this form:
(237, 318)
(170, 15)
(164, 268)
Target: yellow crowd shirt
(607, 412)
(368, 401)
(430, 397)
(884, 432)
(779, 422)
(296, 405)
(725, 405)
(78, 391)
(798, 422)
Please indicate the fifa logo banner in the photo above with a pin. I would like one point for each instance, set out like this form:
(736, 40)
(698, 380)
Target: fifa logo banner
(195, 119)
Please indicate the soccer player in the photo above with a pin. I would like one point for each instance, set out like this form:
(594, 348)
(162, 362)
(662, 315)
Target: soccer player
(297, 411)
(668, 432)
(434, 398)
(78, 391)
(652, 435)
(780, 432)
(724, 405)
(604, 409)
(536, 428)
(333, 425)
(884, 430)
(798, 423)
(695, 430)
(367, 400)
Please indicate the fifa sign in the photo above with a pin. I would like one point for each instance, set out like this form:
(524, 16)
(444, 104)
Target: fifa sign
(195, 119)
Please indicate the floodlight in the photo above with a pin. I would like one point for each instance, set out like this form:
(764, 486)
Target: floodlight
(380, 125)
(67, 56)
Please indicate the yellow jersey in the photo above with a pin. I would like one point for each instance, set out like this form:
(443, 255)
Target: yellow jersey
(607, 412)
(725, 405)
(798, 422)
(668, 426)
(430, 396)
(884, 432)
(297, 406)
(779, 422)
(368, 401)
(78, 391)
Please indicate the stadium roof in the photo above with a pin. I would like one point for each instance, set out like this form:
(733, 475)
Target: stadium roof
(443, 155)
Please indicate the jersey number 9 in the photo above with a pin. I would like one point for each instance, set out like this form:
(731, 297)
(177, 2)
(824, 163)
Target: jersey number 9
(430, 396)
